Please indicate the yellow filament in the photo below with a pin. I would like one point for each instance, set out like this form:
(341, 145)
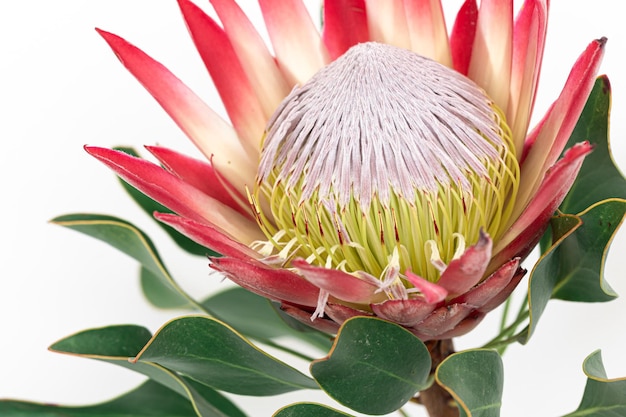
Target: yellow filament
(402, 230)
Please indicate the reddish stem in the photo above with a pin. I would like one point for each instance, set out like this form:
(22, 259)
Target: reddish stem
(438, 402)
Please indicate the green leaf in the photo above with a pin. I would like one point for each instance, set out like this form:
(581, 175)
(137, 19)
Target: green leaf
(150, 206)
(475, 379)
(212, 353)
(148, 400)
(560, 225)
(582, 255)
(157, 292)
(255, 317)
(544, 275)
(374, 367)
(161, 289)
(603, 397)
(248, 313)
(599, 178)
(572, 269)
(308, 410)
(120, 344)
(112, 341)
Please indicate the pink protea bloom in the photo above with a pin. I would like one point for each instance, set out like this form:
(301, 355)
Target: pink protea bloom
(382, 167)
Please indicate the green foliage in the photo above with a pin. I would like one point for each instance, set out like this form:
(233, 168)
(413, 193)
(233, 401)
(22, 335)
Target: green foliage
(250, 314)
(119, 345)
(160, 293)
(213, 354)
(374, 367)
(158, 285)
(475, 379)
(148, 400)
(308, 410)
(256, 317)
(583, 254)
(111, 341)
(572, 268)
(603, 397)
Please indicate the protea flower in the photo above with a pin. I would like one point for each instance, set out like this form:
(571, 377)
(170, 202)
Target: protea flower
(382, 167)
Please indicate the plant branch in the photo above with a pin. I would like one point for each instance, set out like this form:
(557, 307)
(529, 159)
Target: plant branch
(438, 402)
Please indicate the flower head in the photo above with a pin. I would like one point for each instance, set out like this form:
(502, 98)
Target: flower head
(381, 168)
(385, 151)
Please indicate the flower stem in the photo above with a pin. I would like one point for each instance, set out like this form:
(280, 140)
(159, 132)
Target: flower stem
(402, 413)
(505, 313)
(506, 337)
(438, 402)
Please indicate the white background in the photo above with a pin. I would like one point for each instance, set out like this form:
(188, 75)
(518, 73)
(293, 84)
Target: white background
(61, 88)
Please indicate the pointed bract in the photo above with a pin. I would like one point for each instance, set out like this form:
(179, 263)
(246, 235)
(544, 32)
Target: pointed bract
(433, 293)
(208, 236)
(340, 313)
(529, 38)
(211, 134)
(339, 284)
(298, 45)
(462, 36)
(345, 25)
(427, 30)
(463, 273)
(466, 325)
(490, 64)
(557, 126)
(277, 284)
(525, 233)
(260, 67)
(443, 319)
(404, 312)
(200, 175)
(387, 23)
(493, 285)
(504, 294)
(176, 194)
(239, 98)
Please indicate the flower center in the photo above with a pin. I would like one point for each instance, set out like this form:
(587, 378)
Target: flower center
(384, 159)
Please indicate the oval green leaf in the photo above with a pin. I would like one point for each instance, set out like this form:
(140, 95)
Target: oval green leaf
(124, 341)
(214, 354)
(150, 400)
(603, 397)
(127, 238)
(374, 367)
(475, 379)
(308, 410)
(119, 344)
